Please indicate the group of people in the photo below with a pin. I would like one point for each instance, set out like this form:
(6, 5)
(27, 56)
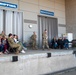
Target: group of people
(11, 42)
(59, 43)
(44, 40)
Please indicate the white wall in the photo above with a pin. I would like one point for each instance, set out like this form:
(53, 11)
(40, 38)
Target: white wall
(32, 8)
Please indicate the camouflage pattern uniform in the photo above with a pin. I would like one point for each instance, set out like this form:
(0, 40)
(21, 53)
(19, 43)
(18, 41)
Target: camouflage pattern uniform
(3, 34)
(14, 45)
(45, 40)
(33, 37)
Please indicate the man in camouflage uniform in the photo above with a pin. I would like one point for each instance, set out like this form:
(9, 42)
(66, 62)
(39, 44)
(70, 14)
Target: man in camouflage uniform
(13, 44)
(3, 34)
(45, 39)
(33, 37)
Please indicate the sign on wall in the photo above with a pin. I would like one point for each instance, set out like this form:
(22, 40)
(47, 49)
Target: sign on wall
(47, 12)
(9, 5)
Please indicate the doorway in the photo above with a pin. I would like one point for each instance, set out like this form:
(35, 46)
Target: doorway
(50, 24)
(11, 22)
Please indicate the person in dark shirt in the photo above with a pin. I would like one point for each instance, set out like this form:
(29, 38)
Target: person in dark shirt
(66, 45)
(54, 43)
(60, 43)
(1, 46)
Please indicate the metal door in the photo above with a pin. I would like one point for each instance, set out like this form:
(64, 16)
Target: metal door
(48, 23)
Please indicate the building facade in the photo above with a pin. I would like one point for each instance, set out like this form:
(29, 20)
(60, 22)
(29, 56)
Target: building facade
(32, 18)
(71, 17)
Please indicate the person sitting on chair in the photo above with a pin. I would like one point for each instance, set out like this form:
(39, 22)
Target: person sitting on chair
(1, 46)
(13, 44)
(4, 42)
(54, 43)
(18, 42)
(3, 34)
(60, 43)
(66, 45)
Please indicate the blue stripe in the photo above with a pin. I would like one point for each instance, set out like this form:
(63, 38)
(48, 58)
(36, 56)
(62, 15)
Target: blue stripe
(6, 4)
(47, 12)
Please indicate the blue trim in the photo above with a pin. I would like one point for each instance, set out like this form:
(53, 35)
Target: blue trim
(47, 12)
(9, 5)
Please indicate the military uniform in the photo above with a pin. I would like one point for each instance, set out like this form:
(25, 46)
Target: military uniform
(14, 45)
(2, 35)
(45, 40)
(33, 37)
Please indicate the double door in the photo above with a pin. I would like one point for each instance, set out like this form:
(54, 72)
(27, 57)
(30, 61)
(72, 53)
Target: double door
(48, 23)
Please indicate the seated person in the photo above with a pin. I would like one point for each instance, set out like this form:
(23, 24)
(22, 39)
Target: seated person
(66, 45)
(54, 43)
(1, 46)
(13, 44)
(60, 43)
(4, 42)
(15, 37)
(3, 34)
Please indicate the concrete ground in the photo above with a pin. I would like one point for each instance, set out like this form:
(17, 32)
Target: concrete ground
(66, 72)
(30, 51)
(70, 73)
(34, 62)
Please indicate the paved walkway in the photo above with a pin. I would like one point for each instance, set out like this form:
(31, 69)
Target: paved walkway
(28, 52)
(70, 73)
(66, 72)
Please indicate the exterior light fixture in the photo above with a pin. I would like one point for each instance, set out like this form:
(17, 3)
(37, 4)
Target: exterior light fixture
(30, 26)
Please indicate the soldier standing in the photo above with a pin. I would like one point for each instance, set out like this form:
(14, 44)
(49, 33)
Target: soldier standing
(45, 39)
(33, 37)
